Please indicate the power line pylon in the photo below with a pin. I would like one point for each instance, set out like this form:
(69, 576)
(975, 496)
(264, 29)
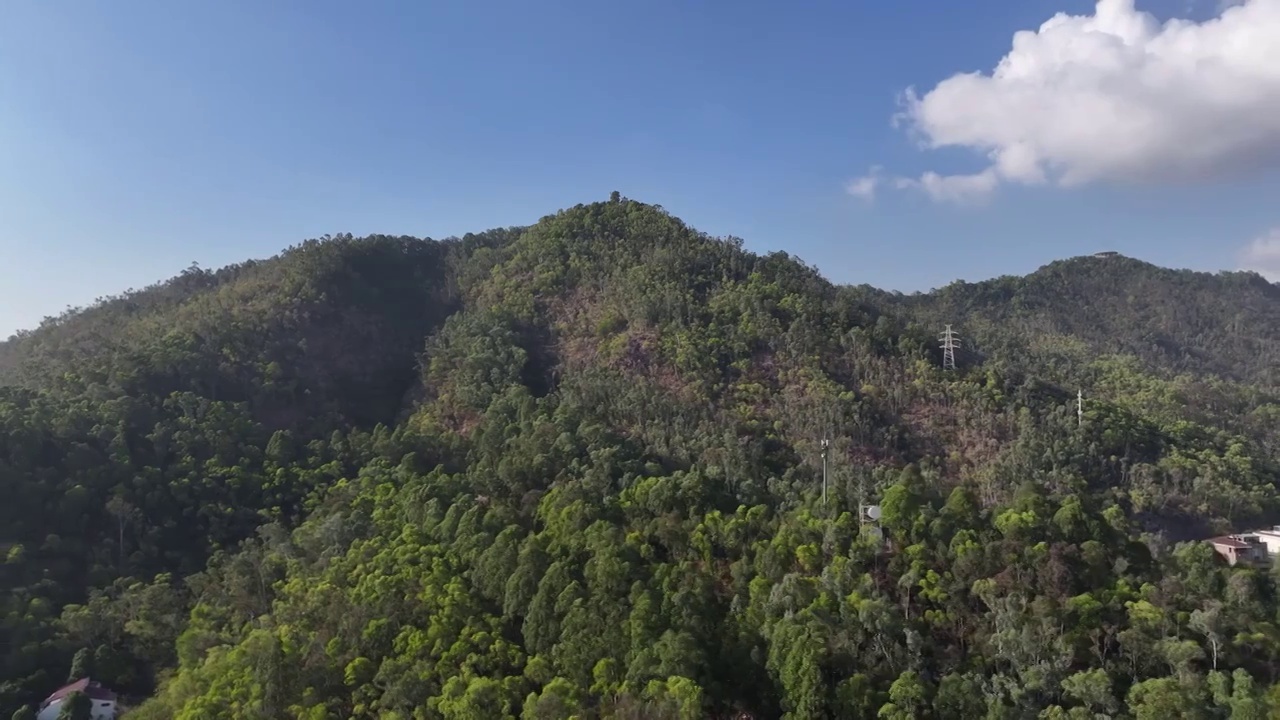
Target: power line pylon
(825, 445)
(950, 343)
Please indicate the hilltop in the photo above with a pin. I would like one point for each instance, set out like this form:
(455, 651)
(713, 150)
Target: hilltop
(575, 468)
(1223, 324)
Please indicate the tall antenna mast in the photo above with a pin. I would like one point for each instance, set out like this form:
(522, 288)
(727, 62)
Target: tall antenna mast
(1080, 408)
(825, 443)
(950, 343)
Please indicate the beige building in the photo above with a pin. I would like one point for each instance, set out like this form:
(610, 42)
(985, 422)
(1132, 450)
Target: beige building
(1242, 549)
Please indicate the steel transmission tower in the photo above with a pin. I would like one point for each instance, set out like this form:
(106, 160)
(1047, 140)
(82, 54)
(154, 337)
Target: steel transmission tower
(950, 343)
(824, 471)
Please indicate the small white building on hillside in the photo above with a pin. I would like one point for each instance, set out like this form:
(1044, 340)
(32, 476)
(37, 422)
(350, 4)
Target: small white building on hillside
(104, 701)
(1270, 539)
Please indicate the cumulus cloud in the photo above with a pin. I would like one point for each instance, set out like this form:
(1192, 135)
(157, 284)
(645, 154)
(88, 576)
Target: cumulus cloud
(865, 187)
(1115, 96)
(1263, 256)
(959, 189)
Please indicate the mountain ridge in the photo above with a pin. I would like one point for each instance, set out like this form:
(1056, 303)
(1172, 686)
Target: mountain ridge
(164, 286)
(957, 295)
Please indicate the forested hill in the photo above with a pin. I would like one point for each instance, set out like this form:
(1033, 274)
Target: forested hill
(1226, 324)
(575, 469)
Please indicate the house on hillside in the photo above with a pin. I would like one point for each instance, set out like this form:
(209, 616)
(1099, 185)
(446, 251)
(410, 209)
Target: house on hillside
(1242, 549)
(104, 701)
(1106, 254)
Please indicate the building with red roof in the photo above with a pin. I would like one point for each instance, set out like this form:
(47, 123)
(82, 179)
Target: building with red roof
(1244, 549)
(103, 699)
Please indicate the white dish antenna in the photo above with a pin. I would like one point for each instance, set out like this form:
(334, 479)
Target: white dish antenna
(873, 512)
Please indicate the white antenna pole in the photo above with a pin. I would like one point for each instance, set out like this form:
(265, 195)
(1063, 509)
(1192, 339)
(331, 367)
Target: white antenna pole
(950, 343)
(824, 471)
(1080, 408)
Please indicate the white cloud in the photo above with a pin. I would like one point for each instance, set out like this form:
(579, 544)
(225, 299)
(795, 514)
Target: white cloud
(1113, 97)
(865, 187)
(1263, 256)
(959, 189)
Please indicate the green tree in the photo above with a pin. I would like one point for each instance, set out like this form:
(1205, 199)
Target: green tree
(1159, 699)
(81, 665)
(75, 706)
(907, 697)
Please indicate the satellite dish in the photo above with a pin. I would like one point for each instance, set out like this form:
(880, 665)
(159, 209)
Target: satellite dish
(873, 512)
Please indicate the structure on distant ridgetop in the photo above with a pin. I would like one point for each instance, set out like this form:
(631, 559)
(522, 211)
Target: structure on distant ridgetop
(1107, 254)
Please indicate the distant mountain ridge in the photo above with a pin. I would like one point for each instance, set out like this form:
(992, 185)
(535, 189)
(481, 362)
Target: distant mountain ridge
(1225, 323)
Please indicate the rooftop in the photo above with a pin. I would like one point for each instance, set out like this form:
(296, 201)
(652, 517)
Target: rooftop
(92, 688)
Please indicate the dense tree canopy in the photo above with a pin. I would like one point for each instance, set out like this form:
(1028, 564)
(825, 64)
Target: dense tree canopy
(574, 470)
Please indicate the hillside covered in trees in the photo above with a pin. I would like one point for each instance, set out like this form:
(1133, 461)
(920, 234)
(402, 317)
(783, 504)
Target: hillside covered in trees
(575, 470)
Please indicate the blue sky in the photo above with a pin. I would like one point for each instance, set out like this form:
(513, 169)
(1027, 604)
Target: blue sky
(137, 137)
